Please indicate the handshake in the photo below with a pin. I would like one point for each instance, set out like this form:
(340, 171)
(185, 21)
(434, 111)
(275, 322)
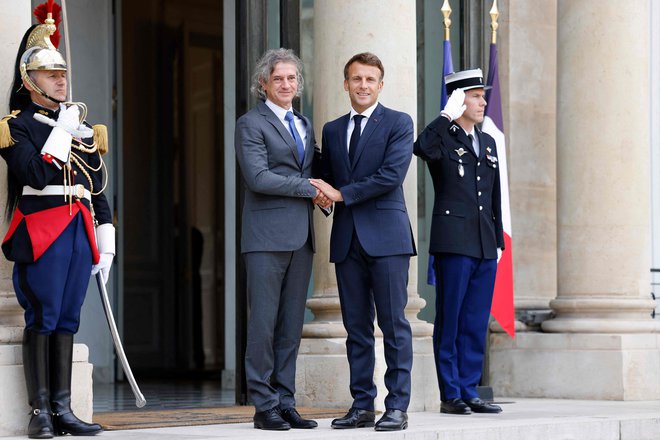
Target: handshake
(326, 195)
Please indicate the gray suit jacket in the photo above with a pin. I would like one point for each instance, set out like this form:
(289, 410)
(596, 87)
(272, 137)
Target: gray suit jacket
(277, 214)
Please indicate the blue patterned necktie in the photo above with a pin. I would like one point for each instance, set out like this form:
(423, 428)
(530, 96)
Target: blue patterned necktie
(296, 136)
(355, 137)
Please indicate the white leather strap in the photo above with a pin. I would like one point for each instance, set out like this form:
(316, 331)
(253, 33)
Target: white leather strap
(59, 190)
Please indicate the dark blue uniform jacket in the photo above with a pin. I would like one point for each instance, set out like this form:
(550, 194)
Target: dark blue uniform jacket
(467, 213)
(27, 167)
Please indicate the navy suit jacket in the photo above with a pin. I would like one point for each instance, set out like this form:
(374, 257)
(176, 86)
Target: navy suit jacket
(372, 187)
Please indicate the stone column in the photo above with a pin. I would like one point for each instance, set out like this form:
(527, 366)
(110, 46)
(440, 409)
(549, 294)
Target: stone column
(603, 206)
(339, 33)
(14, 21)
(528, 71)
(603, 344)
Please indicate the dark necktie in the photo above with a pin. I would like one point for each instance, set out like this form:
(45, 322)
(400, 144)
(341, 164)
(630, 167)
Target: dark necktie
(474, 146)
(296, 136)
(355, 136)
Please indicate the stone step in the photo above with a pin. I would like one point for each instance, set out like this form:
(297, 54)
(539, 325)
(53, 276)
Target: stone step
(522, 419)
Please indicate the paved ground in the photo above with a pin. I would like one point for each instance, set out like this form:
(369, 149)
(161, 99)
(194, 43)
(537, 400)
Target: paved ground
(528, 419)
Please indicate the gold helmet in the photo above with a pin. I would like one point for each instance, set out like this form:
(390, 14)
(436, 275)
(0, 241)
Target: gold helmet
(40, 52)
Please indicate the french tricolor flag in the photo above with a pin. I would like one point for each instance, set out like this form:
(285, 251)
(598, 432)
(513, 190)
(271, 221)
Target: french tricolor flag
(502, 308)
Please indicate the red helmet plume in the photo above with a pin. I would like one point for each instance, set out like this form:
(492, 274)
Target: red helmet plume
(42, 11)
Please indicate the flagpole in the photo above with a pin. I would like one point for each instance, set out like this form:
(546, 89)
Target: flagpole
(447, 68)
(503, 307)
(494, 13)
(446, 12)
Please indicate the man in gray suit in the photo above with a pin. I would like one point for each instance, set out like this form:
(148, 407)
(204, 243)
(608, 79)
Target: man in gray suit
(275, 149)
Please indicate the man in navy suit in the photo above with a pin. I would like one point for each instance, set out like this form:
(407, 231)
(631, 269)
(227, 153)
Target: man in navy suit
(364, 160)
(466, 235)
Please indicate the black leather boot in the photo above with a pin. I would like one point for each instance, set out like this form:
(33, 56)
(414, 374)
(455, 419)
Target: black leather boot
(61, 363)
(35, 366)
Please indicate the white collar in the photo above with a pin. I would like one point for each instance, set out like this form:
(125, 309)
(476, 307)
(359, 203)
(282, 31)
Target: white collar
(473, 133)
(367, 113)
(279, 111)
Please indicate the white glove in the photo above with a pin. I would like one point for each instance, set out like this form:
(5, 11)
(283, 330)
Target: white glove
(69, 121)
(455, 105)
(105, 240)
(104, 265)
(499, 254)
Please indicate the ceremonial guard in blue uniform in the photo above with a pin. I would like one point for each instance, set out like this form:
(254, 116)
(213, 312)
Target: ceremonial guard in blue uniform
(61, 229)
(466, 233)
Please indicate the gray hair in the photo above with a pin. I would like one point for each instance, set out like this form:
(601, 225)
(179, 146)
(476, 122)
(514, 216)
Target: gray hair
(266, 65)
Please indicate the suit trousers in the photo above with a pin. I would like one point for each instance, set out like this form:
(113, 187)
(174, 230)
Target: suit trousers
(277, 284)
(52, 289)
(366, 282)
(464, 293)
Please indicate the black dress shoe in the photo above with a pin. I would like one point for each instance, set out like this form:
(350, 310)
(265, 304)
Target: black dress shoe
(393, 420)
(455, 406)
(68, 423)
(355, 418)
(479, 406)
(291, 416)
(270, 420)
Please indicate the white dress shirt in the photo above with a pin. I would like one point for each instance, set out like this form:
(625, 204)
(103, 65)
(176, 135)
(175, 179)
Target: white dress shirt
(475, 140)
(349, 130)
(281, 113)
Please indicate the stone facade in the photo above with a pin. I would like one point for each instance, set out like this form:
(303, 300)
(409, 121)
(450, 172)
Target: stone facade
(575, 88)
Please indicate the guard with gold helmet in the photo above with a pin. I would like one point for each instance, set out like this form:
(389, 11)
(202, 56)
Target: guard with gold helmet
(61, 224)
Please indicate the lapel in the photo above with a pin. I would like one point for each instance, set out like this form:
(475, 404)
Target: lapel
(343, 140)
(309, 145)
(275, 122)
(462, 137)
(372, 124)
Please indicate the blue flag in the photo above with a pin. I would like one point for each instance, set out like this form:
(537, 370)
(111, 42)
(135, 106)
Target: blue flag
(447, 68)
